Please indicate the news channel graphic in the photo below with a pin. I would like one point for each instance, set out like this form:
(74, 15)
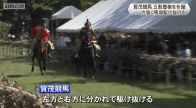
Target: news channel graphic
(65, 89)
(54, 88)
(8, 6)
(97, 99)
(159, 9)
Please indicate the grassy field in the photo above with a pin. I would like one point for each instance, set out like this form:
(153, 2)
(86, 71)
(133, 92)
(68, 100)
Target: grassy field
(175, 95)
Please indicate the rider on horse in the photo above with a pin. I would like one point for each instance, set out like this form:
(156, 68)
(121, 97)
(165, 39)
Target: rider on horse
(87, 30)
(43, 34)
(35, 33)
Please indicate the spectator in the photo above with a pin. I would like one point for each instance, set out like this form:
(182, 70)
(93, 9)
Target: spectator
(179, 51)
(186, 51)
(102, 41)
(164, 47)
(62, 41)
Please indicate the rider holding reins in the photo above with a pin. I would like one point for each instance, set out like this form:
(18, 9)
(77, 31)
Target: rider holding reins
(42, 33)
(87, 28)
(35, 34)
(83, 35)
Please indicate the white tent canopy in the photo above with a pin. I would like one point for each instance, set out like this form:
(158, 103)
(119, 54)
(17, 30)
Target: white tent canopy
(113, 15)
(174, 24)
(67, 12)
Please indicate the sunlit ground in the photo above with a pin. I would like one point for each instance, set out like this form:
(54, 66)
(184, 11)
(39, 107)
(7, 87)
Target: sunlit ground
(174, 95)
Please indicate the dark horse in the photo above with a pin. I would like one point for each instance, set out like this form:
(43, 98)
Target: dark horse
(40, 53)
(87, 58)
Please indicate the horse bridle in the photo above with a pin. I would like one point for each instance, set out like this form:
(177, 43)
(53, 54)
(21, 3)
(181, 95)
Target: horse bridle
(88, 39)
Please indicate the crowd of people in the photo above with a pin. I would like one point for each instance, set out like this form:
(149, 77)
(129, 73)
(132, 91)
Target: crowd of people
(155, 44)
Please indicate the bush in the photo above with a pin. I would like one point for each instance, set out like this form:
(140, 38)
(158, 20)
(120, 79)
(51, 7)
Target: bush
(4, 30)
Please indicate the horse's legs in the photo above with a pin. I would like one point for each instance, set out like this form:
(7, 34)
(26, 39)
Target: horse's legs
(85, 71)
(44, 65)
(92, 71)
(40, 66)
(33, 60)
(77, 67)
(76, 64)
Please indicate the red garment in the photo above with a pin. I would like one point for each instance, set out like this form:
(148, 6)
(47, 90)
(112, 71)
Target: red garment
(46, 35)
(35, 31)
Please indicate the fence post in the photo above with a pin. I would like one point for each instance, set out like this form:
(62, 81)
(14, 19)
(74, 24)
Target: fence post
(167, 77)
(134, 71)
(149, 75)
(3, 48)
(15, 50)
(12, 47)
(7, 49)
(189, 79)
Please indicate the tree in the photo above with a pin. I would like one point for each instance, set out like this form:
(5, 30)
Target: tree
(4, 29)
(45, 8)
(38, 9)
(85, 4)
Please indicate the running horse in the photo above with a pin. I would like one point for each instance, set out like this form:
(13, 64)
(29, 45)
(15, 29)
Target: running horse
(40, 53)
(87, 58)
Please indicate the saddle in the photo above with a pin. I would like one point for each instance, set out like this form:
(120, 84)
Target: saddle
(42, 45)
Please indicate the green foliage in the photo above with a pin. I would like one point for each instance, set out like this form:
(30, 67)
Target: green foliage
(44, 9)
(49, 7)
(85, 4)
(41, 5)
(1, 4)
(41, 10)
(55, 4)
(4, 29)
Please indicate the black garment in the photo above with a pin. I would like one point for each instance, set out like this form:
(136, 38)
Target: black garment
(87, 35)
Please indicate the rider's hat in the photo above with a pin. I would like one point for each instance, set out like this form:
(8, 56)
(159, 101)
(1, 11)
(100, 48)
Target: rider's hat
(87, 23)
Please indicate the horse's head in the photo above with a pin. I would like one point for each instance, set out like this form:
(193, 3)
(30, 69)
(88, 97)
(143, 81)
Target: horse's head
(88, 42)
(41, 46)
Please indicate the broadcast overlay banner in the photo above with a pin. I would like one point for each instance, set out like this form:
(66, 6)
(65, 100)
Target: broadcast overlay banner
(158, 9)
(54, 88)
(13, 6)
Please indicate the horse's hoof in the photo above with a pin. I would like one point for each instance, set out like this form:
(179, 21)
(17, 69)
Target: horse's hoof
(32, 70)
(44, 68)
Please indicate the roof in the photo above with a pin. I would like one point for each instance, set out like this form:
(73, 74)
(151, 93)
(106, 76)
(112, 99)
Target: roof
(67, 12)
(113, 15)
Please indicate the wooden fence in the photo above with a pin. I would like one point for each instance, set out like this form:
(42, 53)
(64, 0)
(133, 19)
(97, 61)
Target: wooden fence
(150, 66)
(14, 48)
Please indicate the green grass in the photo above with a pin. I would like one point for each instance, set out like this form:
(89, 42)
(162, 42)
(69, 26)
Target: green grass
(174, 95)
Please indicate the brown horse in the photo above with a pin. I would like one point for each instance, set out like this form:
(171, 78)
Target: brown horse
(40, 53)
